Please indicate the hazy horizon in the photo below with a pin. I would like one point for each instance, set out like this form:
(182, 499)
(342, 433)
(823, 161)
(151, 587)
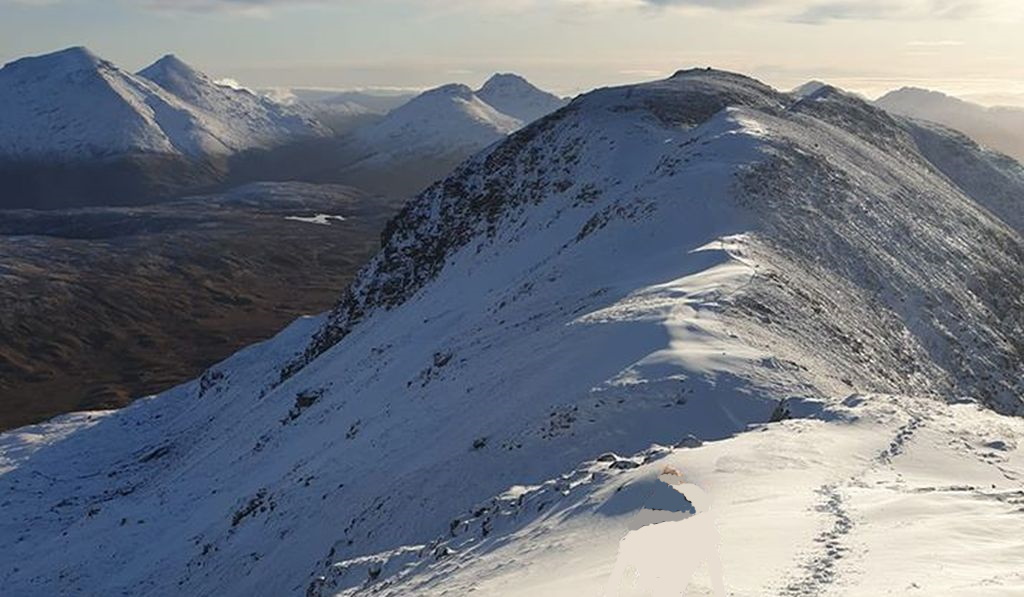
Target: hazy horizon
(966, 48)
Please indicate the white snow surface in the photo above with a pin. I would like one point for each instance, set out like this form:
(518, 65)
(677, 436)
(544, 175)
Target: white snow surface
(319, 219)
(513, 95)
(249, 120)
(791, 281)
(454, 120)
(72, 104)
(445, 119)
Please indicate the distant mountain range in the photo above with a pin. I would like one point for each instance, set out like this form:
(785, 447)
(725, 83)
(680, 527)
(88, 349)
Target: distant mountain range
(997, 128)
(109, 154)
(73, 105)
(438, 129)
(76, 129)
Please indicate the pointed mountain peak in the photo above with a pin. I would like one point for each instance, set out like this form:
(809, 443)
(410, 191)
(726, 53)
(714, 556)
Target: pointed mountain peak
(514, 95)
(76, 58)
(79, 54)
(170, 68)
(506, 81)
(177, 77)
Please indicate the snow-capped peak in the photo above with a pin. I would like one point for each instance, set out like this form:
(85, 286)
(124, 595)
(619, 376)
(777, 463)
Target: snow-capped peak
(73, 105)
(73, 59)
(446, 119)
(517, 97)
(247, 119)
(174, 75)
(500, 82)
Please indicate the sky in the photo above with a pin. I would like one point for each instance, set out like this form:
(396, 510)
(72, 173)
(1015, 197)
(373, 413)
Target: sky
(970, 48)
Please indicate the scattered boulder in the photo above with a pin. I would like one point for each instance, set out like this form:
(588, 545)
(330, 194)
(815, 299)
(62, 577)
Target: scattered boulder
(690, 441)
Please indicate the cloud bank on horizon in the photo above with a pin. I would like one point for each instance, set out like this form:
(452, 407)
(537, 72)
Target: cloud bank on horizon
(963, 47)
(800, 11)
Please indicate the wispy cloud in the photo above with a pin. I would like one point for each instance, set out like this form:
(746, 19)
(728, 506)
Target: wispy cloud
(800, 11)
(245, 7)
(825, 11)
(643, 72)
(940, 43)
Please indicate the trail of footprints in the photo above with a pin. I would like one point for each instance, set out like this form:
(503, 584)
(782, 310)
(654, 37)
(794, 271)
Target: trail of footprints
(821, 569)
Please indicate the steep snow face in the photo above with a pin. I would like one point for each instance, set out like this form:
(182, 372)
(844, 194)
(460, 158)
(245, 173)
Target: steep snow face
(243, 119)
(690, 256)
(447, 119)
(998, 128)
(992, 178)
(73, 105)
(517, 97)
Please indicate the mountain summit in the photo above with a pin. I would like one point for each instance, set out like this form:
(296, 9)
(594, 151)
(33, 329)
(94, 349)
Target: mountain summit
(243, 119)
(174, 75)
(517, 97)
(787, 299)
(444, 119)
(72, 105)
(68, 60)
(423, 139)
(77, 129)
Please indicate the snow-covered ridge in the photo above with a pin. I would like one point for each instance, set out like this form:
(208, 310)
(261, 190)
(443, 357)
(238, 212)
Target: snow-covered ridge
(250, 119)
(73, 105)
(486, 523)
(702, 255)
(888, 456)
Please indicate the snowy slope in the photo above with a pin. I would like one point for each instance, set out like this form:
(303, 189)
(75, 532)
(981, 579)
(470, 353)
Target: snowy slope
(689, 256)
(245, 120)
(998, 128)
(74, 105)
(513, 95)
(423, 140)
(447, 119)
